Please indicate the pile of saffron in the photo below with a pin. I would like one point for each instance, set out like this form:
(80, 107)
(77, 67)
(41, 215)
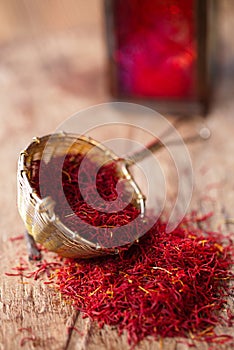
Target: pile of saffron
(167, 285)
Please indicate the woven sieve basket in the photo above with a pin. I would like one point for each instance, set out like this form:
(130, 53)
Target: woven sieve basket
(38, 214)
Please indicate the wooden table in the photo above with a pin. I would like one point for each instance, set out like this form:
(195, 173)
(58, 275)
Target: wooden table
(45, 79)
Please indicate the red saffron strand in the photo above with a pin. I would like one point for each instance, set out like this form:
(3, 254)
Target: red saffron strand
(16, 238)
(27, 329)
(24, 340)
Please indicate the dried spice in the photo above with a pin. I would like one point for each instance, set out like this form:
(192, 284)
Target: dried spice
(167, 285)
(17, 238)
(67, 182)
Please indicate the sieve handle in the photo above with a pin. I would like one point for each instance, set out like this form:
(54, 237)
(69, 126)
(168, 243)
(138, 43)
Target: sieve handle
(155, 145)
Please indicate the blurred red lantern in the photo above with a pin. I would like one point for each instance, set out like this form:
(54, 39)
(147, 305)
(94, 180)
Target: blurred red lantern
(159, 51)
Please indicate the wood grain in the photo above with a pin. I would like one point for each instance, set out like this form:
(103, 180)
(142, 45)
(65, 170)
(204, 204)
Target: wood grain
(44, 80)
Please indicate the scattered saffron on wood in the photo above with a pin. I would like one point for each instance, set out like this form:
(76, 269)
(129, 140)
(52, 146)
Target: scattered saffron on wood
(168, 285)
(13, 274)
(70, 329)
(16, 238)
(24, 340)
(27, 329)
(164, 285)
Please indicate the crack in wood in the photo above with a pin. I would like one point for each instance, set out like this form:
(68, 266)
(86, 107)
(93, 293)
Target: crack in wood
(70, 324)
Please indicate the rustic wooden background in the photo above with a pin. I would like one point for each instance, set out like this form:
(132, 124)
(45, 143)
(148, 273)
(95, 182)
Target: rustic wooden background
(52, 64)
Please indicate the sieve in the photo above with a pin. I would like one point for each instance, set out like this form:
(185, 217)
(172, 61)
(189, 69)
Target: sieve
(42, 224)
